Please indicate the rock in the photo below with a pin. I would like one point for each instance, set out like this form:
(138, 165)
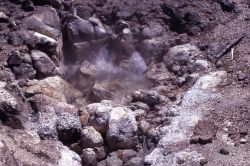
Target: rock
(26, 148)
(43, 64)
(47, 122)
(3, 17)
(137, 63)
(136, 161)
(124, 155)
(45, 21)
(204, 132)
(16, 39)
(151, 98)
(158, 74)
(54, 3)
(99, 93)
(227, 5)
(83, 50)
(122, 129)
(120, 25)
(6, 75)
(100, 153)
(113, 161)
(28, 6)
(88, 157)
(90, 138)
(27, 58)
(181, 54)
(127, 12)
(154, 30)
(99, 115)
(80, 30)
(14, 112)
(24, 71)
(154, 49)
(76, 147)
(85, 79)
(68, 124)
(139, 105)
(224, 151)
(15, 58)
(100, 31)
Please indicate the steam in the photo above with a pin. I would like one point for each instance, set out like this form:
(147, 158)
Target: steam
(118, 79)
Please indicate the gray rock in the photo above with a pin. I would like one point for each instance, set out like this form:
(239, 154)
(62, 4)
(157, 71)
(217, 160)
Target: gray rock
(88, 157)
(47, 121)
(151, 98)
(100, 31)
(15, 58)
(42, 63)
(99, 115)
(154, 30)
(68, 124)
(80, 30)
(122, 129)
(137, 63)
(19, 147)
(45, 21)
(6, 75)
(90, 138)
(181, 54)
(24, 71)
(154, 48)
(137, 161)
(113, 161)
(14, 112)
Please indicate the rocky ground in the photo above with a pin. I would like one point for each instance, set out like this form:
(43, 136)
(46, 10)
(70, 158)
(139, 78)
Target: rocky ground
(112, 83)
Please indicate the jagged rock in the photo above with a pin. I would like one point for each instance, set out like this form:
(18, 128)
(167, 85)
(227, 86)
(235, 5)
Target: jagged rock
(18, 147)
(99, 115)
(100, 31)
(88, 157)
(54, 3)
(45, 21)
(120, 25)
(90, 138)
(136, 161)
(99, 92)
(43, 64)
(14, 112)
(122, 129)
(15, 58)
(137, 63)
(79, 30)
(204, 132)
(124, 155)
(24, 71)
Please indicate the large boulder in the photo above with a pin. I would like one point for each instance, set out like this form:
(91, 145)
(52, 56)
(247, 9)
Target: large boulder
(122, 129)
(79, 30)
(44, 31)
(19, 147)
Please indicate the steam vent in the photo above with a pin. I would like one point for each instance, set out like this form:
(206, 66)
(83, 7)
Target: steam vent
(124, 82)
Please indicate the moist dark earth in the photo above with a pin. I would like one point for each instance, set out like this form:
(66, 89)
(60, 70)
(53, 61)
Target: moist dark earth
(129, 82)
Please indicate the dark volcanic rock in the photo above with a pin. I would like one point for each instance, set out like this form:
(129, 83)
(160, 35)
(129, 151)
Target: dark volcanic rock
(204, 132)
(24, 71)
(90, 138)
(15, 58)
(227, 5)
